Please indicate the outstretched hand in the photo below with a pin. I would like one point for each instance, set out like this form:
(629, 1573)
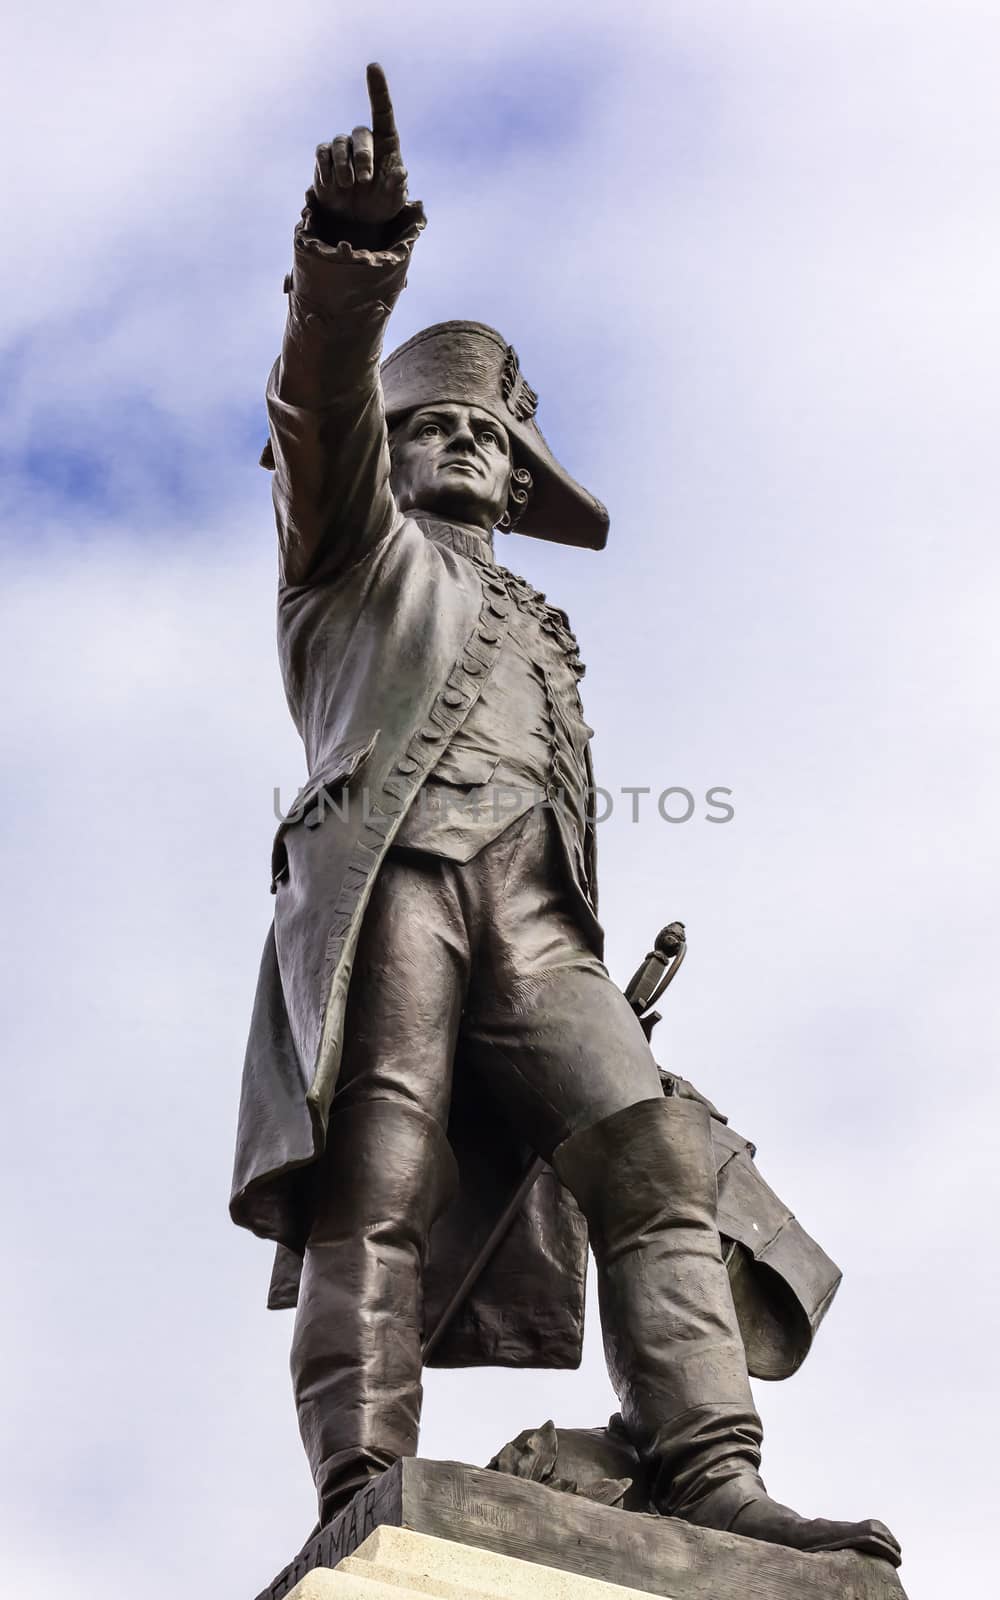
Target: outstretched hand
(360, 176)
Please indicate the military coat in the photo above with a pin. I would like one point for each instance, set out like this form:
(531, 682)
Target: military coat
(386, 639)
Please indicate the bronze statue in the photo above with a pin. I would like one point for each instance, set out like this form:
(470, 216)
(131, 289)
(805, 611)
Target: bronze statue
(434, 973)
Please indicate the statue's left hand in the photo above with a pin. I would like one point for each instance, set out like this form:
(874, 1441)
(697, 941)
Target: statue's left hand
(360, 178)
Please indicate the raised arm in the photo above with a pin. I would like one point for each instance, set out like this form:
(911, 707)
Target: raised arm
(328, 447)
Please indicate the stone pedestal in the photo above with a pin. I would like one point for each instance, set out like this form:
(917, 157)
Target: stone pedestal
(399, 1565)
(553, 1546)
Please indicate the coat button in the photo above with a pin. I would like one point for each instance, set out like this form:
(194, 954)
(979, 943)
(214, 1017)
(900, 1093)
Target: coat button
(431, 734)
(497, 610)
(406, 765)
(472, 666)
(488, 636)
(454, 698)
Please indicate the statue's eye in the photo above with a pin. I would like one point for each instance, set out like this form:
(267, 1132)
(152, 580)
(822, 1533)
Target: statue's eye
(430, 430)
(487, 436)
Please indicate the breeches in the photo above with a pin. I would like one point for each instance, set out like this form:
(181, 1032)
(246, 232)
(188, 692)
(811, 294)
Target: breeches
(489, 962)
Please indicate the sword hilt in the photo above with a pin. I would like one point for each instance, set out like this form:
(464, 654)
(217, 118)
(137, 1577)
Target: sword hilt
(658, 969)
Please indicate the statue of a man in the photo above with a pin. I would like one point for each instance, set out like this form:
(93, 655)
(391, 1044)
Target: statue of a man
(409, 934)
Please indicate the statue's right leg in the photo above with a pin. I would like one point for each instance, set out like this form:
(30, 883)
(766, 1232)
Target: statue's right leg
(355, 1355)
(387, 1173)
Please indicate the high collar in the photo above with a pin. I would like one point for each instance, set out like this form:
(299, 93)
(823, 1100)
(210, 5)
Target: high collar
(458, 536)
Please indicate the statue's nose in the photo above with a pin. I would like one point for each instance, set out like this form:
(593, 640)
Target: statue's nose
(462, 439)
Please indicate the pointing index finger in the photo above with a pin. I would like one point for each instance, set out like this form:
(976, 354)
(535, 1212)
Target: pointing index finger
(383, 120)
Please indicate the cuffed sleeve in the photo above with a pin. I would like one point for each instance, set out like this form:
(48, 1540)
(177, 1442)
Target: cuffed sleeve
(328, 445)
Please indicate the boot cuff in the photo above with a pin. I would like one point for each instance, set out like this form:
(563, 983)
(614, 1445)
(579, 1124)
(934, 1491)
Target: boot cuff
(388, 1158)
(623, 1170)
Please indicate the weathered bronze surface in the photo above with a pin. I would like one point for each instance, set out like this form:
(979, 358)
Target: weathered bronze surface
(433, 982)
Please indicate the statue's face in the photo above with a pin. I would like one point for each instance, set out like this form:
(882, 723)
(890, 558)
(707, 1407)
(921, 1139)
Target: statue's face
(452, 461)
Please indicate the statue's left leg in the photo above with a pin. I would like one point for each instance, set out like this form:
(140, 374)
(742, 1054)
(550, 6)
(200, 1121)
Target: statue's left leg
(645, 1180)
(575, 1072)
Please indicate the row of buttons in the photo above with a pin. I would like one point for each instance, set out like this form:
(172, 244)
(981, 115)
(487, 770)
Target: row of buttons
(499, 580)
(566, 731)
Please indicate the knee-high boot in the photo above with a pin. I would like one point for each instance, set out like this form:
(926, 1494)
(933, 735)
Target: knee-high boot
(387, 1173)
(645, 1180)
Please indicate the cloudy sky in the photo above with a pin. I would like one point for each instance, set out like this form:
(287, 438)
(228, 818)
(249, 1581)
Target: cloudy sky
(748, 254)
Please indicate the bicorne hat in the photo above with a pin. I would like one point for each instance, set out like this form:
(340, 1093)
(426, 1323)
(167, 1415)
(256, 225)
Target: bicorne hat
(470, 364)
